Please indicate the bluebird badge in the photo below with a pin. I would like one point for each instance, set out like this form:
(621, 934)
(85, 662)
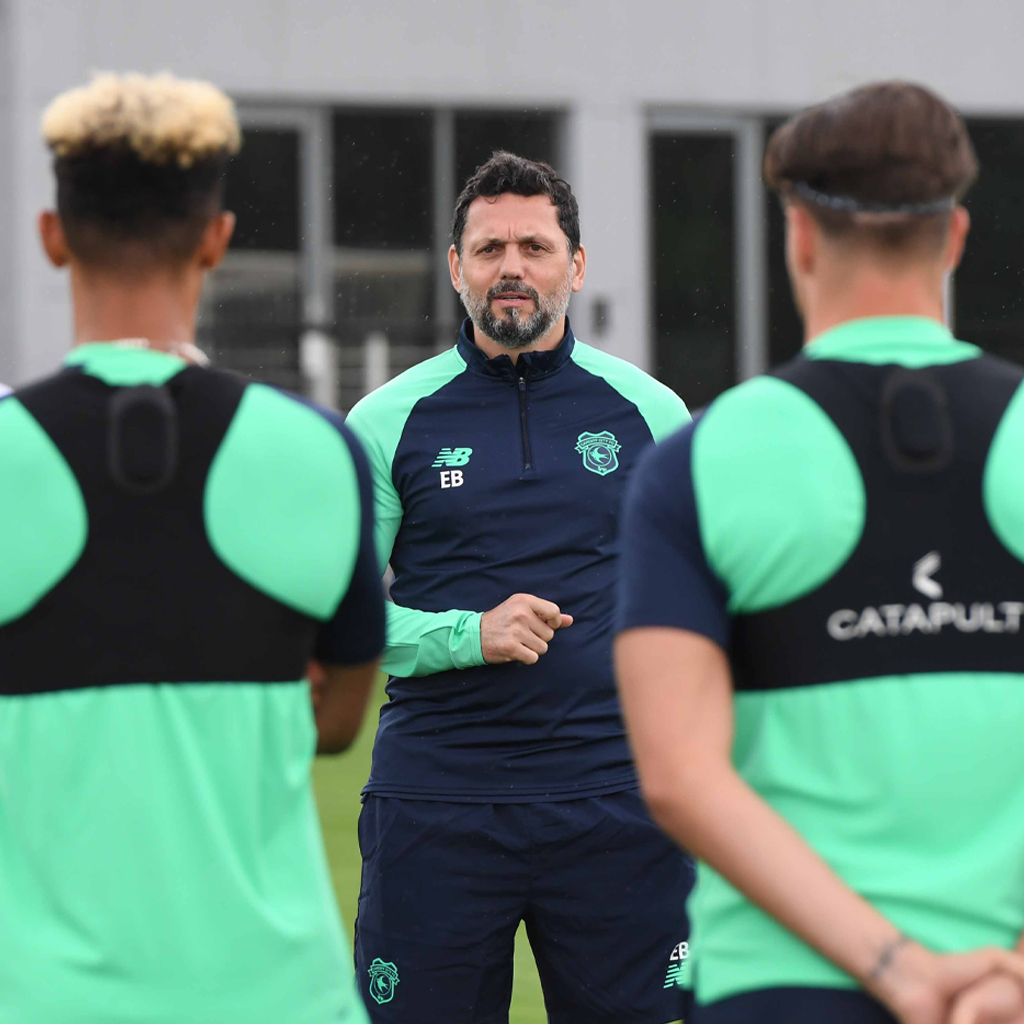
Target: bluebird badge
(383, 979)
(599, 451)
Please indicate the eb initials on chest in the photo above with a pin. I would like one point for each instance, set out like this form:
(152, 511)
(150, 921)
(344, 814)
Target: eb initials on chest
(451, 478)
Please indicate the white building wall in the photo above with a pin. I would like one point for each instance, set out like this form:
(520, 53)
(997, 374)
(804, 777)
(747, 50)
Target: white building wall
(46, 50)
(606, 147)
(7, 354)
(607, 62)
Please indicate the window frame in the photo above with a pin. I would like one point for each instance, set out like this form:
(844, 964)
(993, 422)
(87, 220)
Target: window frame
(750, 265)
(314, 124)
(316, 143)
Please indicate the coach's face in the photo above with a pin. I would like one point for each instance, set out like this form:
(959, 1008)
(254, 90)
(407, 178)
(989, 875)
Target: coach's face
(515, 273)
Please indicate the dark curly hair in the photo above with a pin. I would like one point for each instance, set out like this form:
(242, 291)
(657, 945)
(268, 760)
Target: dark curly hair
(506, 172)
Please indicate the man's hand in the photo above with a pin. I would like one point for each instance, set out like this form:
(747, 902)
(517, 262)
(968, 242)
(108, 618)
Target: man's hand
(520, 629)
(997, 999)
(339, 694)
(922, 987)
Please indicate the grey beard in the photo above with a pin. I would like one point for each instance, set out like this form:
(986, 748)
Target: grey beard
(511, 330)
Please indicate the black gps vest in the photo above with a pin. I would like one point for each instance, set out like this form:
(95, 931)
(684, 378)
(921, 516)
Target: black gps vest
(929, 587)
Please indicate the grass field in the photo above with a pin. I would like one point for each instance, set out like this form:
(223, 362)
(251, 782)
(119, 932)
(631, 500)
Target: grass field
(338, 782)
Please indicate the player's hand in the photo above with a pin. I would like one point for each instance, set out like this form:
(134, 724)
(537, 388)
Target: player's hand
(520, 629)
(997, 999)
(317, 680)
(921, 987)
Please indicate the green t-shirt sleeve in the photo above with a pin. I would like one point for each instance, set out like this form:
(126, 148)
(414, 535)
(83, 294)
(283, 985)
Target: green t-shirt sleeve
(282, 504)
(1002, 485)
(779, 496)
(418, 643)
(43, 519)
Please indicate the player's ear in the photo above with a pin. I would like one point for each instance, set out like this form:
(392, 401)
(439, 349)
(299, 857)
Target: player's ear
(455, 268)
(956, 237)
(802, 241)
(215, 241)
(579, 268)
(51, 234)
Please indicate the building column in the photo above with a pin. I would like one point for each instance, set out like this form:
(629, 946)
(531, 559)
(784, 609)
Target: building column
(606, 162)
(8, 356)
(45, 47)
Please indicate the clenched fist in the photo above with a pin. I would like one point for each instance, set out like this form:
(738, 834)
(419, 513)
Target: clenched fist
(520, 629)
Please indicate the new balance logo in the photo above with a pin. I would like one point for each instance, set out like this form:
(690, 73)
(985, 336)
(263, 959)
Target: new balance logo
(676, 976)
(678, 973)
(452, 457)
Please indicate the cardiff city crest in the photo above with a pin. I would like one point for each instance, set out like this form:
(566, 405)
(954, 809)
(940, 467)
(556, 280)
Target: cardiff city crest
(383, 979)
(599, 451)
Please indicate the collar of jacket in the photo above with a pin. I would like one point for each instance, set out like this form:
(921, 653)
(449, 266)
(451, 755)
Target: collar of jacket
(530, 364)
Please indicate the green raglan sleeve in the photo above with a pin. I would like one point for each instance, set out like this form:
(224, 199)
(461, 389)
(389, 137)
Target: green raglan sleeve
(418, 643)
(663, 410)
(421, 643)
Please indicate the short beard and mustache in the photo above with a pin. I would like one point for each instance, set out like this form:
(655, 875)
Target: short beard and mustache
(510, 329)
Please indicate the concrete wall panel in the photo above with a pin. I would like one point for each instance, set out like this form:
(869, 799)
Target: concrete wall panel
(606, 62)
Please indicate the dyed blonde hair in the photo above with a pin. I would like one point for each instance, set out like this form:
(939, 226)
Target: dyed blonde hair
(160, 118)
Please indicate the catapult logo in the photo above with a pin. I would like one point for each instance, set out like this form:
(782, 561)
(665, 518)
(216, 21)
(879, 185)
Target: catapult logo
(929, 618)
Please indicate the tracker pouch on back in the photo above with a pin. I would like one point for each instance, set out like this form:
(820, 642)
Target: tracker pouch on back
(142, 439)
(916, 428)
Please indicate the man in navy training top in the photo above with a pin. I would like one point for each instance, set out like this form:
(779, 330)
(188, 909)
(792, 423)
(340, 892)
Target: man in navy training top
(502, 787)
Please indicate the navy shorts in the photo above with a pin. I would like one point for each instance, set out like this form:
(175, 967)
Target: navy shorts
(790, 1005)
(602, 892)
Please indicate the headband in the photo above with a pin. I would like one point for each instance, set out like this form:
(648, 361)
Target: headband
(847, 204)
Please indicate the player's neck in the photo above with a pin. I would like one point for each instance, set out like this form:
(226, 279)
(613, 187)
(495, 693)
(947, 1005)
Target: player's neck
(873, 293)
(159, 307)
(550, 340)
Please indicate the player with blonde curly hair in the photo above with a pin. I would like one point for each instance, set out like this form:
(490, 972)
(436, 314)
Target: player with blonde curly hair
(178, 545)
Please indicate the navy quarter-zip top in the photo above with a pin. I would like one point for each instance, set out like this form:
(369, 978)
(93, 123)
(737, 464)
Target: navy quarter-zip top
(494, 478)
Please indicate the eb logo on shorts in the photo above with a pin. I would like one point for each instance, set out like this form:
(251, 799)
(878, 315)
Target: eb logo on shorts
(383, 979)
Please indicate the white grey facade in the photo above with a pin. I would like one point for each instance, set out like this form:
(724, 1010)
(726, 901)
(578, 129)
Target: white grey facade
(612, 72)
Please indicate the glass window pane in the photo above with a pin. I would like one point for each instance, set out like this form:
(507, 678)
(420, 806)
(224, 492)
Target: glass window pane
(251, 312)
(383, 187)
(785, 328)
(989, 304)
(262, 190)
(383, 191)
(479, 133)
(385, 255)
(693, 231)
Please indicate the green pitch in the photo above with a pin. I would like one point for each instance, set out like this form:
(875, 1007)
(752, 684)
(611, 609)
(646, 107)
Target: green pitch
(338, 782)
